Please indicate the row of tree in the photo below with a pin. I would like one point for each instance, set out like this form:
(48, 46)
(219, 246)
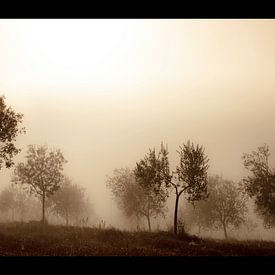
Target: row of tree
(42, 173)
(143, 191)
(68, 202)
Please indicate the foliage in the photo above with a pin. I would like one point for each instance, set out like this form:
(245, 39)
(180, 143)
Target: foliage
(261, 184)
(225, 206)
(190, 177)
(192, 172)
(42, 172)
(152, 175)
(9, 130)
(69, 201)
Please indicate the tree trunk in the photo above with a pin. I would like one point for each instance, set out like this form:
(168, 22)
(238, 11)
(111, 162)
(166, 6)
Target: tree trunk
(224, 230)
(138, 228)
(149, 222)
(176, 214)
(43, 208)
(67, 218)
(12, 214)
(199, 229)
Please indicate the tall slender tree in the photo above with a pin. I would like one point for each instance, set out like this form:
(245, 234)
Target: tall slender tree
(190, 176)
(152, 174)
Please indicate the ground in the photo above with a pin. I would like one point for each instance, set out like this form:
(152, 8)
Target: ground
(23, 239)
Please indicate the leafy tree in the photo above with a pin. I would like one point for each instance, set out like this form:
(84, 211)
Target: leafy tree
(69, 200)
(225, 206)
(129, 195)
(9, 130)
(42, 172)
(260, 185)
(152, 175)
(190, 177)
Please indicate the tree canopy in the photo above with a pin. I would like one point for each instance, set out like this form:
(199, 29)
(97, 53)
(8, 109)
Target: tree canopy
(260, 184)
(42, 172)
(9, 129)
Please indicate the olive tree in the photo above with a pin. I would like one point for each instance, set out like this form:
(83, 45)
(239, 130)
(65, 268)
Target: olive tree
(152, 175)
(42, 172)
(190, 177)
(9, 130)
(260, 184)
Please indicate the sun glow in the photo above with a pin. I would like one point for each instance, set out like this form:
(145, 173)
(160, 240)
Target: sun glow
(78, 53)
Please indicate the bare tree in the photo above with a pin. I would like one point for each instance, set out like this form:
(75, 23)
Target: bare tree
(9, 130)
(42, 172)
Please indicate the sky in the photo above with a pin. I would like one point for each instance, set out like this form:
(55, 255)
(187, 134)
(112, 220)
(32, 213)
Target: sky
(105, 91)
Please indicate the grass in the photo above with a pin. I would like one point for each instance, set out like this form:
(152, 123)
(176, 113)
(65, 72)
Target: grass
(23, 239)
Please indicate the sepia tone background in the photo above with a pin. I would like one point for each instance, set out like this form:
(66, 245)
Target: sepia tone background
(105, 91)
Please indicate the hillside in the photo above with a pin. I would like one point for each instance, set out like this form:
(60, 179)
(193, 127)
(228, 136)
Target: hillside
(23, 239)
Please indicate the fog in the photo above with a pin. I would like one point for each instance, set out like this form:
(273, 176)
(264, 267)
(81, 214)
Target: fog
(105, 91)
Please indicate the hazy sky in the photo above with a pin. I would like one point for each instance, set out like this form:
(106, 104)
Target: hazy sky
(105, 91)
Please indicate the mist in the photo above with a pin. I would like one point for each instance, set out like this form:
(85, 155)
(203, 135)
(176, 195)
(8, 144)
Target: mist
(105, 91)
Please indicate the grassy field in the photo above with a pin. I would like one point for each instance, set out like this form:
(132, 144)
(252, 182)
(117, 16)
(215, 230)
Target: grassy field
(23, 239)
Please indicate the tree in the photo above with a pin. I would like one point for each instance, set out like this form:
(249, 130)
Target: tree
(69, 200)
(128, 194)
(8, 200)
(42, 172)
(190, 176)
(9, 129)
(225, 206)
(152, 175)
(261, 184)
(195, 214)
(13, 198)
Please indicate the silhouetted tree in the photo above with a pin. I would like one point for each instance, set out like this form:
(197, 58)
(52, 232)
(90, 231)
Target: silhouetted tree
(261, 184)
(9, 130)
(152, 175)
(42, 172)
(190, 176)
(69, 200)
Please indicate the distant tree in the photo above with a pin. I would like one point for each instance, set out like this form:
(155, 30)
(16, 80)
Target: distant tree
(8, 201)
(260, 185)
(9, 130)
(42, 172)
(195, 214)
(152, 175)
(14, 199)
(69, 201)
(225, 206)
(190, 177)
(129, 196)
